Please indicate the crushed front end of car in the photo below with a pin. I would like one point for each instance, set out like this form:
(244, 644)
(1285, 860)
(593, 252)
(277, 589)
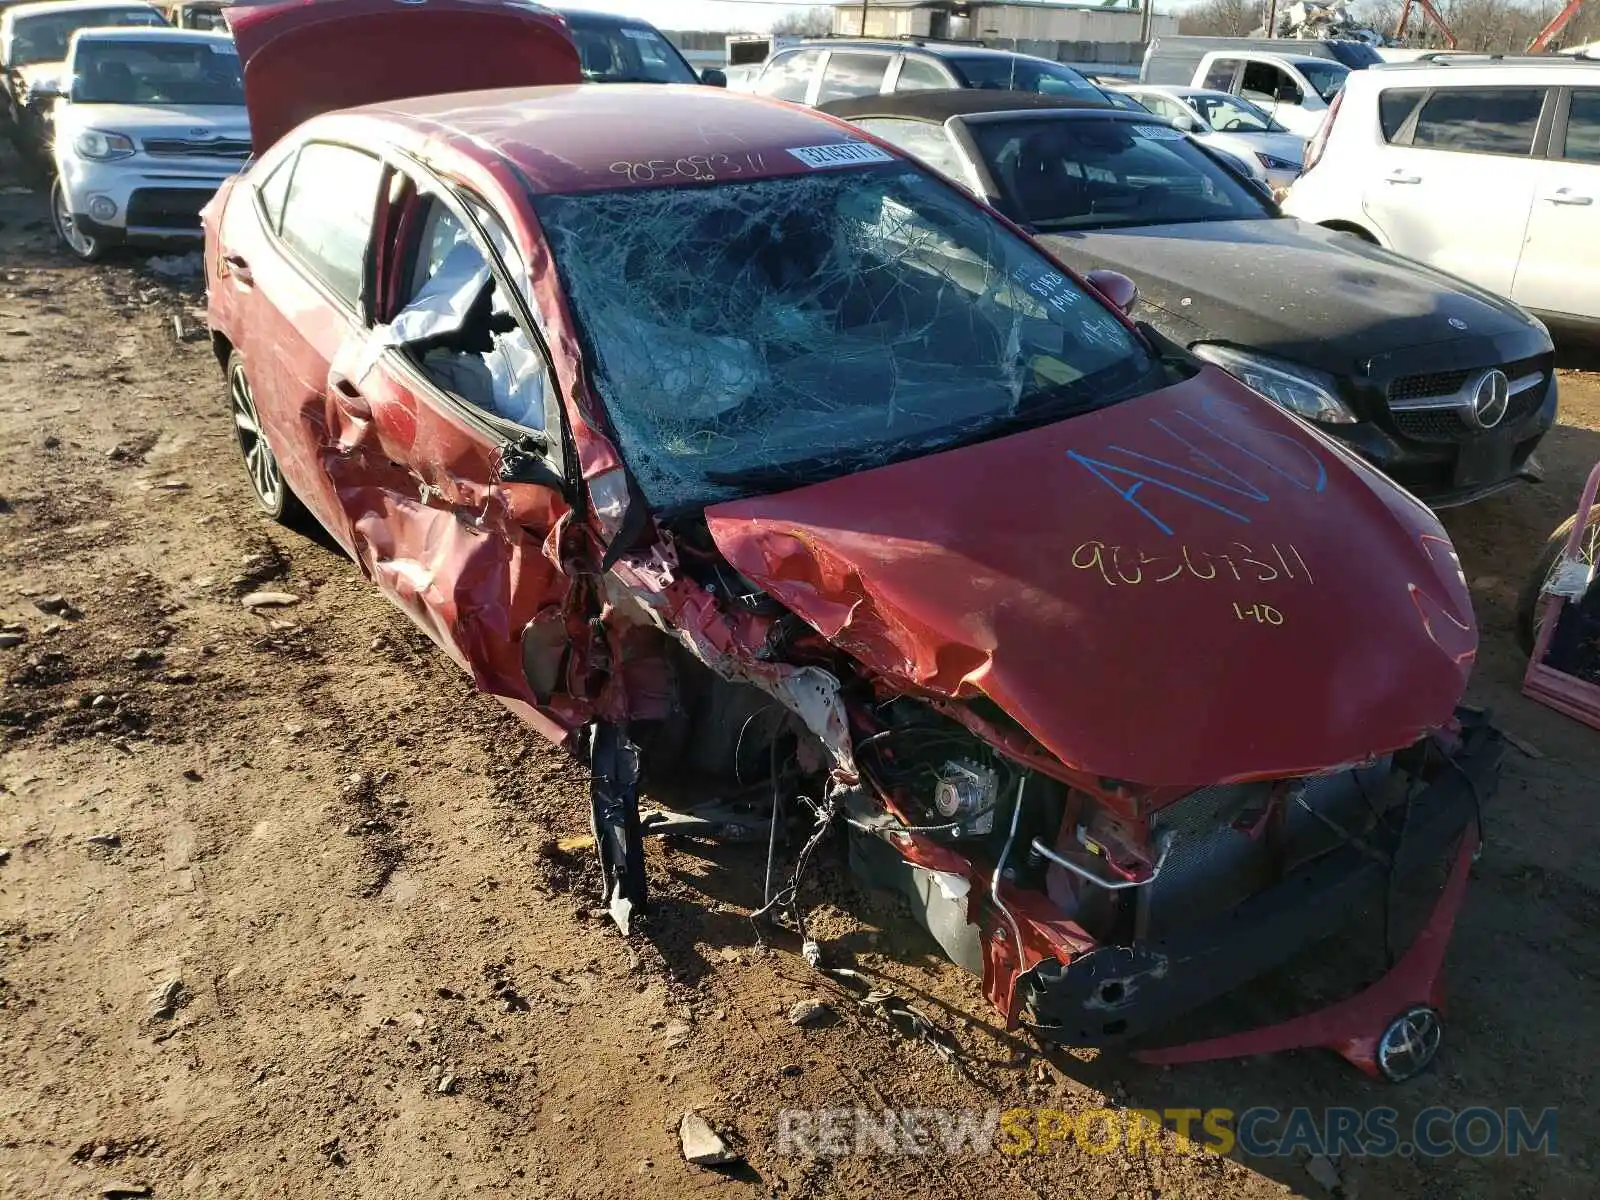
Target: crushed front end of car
(1135, 683)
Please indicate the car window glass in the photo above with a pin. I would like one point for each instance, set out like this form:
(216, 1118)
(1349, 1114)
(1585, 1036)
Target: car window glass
(788, 76)
(1480, 120)
(1019, 73)
(1261, 81)
(460, 327)
(1395, 106)
(272, 191)
(928, 142)
(850, 74)
(920, 75)
(327, 216)
(1220, 77)
(1234, 114)
(627, 54)
(150, 72)
(1163, 106)
(750, 336)
(1583, 126)
(1097, 174)
(44, 37)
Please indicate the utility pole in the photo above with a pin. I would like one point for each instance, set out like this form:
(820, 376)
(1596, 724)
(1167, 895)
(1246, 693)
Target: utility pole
(864, 4)
(1146, 10)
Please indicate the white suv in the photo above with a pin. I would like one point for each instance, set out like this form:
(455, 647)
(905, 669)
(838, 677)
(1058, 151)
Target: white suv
(148, 124)
(1486, 168)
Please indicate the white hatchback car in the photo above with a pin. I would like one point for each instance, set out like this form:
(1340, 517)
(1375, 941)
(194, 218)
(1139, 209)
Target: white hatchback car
(1488, 169)
(148, 125)
(1231, 123)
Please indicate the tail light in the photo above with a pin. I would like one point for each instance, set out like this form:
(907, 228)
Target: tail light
(1319, 141)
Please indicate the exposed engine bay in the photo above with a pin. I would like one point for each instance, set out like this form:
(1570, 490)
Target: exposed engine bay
(1096, 910)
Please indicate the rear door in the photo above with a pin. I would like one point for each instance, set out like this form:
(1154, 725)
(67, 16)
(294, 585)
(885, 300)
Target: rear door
(1452, 181)
(294, 239)
(445, 449)
(1560, 267)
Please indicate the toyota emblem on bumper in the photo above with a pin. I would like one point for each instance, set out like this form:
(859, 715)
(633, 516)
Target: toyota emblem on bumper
(1409, 1043)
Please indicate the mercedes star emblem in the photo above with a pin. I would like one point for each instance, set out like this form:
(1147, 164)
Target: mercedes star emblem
(1409, 1043)
(1490, 395)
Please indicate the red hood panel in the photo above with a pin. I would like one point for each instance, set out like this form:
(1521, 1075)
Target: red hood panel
(1182, 589)
(308, 57)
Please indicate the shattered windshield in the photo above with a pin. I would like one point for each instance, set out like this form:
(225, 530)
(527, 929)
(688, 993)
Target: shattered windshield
(754, 336)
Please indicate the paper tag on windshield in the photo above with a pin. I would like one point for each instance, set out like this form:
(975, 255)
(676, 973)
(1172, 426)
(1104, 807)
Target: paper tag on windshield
(1158, 133)
(639, 35)
(840, 154)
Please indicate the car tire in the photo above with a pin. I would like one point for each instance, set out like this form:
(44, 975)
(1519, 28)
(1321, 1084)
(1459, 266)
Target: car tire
(1530, 601)
(261, 468)
(82, 245)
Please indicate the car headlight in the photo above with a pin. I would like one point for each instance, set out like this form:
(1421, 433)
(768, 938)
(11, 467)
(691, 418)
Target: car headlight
(102, 147)
(1307, 393)
(1276, 164)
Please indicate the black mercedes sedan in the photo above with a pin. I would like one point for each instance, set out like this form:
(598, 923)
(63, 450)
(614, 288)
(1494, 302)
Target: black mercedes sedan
(1443, 386)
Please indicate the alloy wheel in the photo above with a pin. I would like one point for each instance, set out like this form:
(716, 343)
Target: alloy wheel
(260, 463)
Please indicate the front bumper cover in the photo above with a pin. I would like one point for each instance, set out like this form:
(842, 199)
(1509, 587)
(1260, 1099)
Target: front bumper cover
(1114, 993)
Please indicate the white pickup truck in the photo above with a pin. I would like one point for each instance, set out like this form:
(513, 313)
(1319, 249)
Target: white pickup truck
(1294, 80)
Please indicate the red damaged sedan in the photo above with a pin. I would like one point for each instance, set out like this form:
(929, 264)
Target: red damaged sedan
(724, 444)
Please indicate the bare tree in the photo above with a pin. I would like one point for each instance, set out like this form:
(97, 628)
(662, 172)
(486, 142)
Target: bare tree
(1222, 18)
(813, 22)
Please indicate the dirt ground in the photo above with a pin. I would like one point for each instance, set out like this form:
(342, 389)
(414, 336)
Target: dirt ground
(283, 912)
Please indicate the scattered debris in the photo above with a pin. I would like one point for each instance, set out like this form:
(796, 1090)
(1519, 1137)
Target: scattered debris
(176, 266)
(144, 656)
(110, 840)
(701, 1145)
(1527, 748)
(5, 856)
(447, 1084)
(678, 1034)
(192, 775)
(1321, 1168)
(127, 1191)
(9, 639)
(55, 606)
(810, 1014)
(270, 600)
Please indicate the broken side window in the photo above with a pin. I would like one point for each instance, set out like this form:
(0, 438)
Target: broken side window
(461, 328)
(748, 336)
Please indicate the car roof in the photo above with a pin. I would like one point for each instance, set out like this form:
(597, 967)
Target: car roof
(598, 15)
(65, 6)
(151, 33)
(940, 106)
(1498, 65)
(571, 137)
(936, 49)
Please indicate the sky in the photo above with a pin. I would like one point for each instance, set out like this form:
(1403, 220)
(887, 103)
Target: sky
(701, 14)
(709, 14)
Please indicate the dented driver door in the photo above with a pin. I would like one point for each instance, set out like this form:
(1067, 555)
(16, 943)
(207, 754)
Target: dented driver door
(447, 449)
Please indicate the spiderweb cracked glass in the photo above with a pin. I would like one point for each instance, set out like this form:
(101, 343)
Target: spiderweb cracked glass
(842, 317)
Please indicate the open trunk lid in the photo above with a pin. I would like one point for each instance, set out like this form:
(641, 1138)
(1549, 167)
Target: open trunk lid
(308, 57)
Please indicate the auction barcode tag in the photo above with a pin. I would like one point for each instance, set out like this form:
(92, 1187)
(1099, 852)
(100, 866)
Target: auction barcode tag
(840, 154)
